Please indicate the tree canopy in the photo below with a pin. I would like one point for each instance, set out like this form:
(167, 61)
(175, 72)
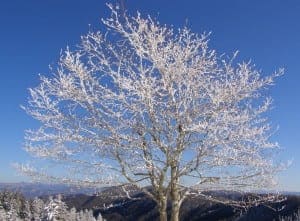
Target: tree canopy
(145, 104)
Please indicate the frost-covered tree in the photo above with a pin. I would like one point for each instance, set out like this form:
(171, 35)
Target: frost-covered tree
(86, 215)
(13, 213)
(144, 104)
(2, 214)
(56, 209)
(37, 209)
(99, 218)
(14, 206)
(25, 212)
(72, 214)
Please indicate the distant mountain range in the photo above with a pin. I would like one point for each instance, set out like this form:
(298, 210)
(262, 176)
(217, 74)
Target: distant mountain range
(41, 189)
(31, 190)
(290, 193)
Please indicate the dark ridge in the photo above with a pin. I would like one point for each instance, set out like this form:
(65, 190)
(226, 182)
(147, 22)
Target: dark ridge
(113, 205)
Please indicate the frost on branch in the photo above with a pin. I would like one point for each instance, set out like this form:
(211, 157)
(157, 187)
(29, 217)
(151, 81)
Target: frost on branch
(149, 105)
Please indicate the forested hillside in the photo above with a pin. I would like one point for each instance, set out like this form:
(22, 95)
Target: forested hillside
(14, 207)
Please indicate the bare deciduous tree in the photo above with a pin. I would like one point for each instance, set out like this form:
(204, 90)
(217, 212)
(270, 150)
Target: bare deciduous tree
(149, 105)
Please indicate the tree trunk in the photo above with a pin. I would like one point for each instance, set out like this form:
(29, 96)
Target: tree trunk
(175, 194)
(176, 203)
(175, 211)
(175, 214)
(162, 209)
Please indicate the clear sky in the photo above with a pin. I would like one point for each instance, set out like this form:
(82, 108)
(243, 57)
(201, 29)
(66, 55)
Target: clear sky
(33, 32)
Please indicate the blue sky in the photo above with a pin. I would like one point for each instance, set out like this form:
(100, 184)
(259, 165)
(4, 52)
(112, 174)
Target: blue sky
(33, 32)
